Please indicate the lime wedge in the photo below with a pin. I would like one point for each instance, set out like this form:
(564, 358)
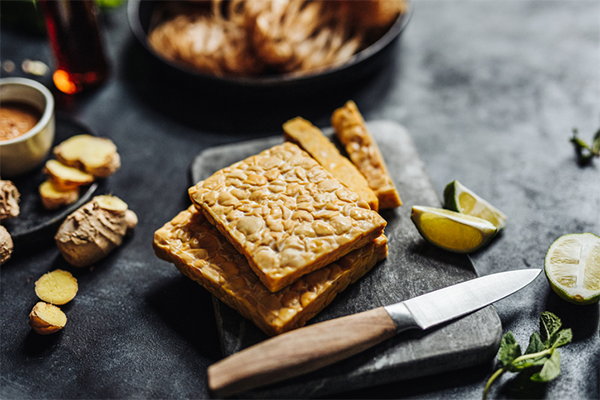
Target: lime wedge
(572, 266)
(458, 198)
(452, 231)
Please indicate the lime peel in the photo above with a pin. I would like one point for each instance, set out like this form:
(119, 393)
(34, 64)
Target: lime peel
(451, 230)
(572, 266)
(459, 198)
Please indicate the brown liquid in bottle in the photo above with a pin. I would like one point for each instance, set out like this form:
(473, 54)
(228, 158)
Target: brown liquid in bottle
(75, 39)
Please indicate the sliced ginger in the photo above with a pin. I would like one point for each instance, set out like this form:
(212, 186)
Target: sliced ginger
(56, 287)
(46, 318)
(65, 177)
(95, 155)
(111, 203)
(9, 200)
(54, 197)
(94, 230)
(6, 245)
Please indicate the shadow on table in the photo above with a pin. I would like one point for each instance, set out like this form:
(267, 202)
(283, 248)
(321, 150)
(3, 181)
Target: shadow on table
(209, 106)
(421, 387)
(187, 309)
(583, 320)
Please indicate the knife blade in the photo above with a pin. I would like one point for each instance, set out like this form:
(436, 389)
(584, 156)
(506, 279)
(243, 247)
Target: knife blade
(315, 346)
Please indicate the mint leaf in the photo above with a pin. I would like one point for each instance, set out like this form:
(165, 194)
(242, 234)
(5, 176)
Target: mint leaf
(549, 326)
(535, 344)
(579, 144)
(563, 337)
(550, 370)
(541, 352)
(596, 144)
(585, 152)
(519, 365)
(509, 349)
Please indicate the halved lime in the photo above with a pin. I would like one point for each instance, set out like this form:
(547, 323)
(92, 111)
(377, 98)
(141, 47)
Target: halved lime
(452, 231)
(458, 198)
(572, 266)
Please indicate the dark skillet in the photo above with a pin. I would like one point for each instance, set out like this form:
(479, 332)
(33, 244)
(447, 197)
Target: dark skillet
(360, 65)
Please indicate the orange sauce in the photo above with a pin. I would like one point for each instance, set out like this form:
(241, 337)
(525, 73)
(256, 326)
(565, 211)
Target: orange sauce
(17, 119)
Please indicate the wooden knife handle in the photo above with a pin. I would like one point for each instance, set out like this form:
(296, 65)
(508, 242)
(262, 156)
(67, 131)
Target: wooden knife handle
(299, 351)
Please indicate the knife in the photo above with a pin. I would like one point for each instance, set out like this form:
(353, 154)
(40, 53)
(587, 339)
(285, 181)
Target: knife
(316, 346)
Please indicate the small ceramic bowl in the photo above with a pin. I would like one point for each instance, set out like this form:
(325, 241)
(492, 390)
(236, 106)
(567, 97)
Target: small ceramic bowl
(27, 151)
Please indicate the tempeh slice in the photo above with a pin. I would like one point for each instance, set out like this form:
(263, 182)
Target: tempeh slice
(351, 130)
(311, 139)
(286, 213)
(201, 253)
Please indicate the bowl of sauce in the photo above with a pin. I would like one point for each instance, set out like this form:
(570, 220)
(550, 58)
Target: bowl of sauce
(26, 125)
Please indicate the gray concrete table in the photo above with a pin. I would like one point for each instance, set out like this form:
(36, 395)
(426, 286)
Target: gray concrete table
(489, 92)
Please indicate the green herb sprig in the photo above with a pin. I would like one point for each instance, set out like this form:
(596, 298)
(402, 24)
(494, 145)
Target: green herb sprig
(541, 352)
(584, 151)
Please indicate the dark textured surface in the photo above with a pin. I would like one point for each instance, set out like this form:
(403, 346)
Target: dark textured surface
(413, 267)
(489, 92)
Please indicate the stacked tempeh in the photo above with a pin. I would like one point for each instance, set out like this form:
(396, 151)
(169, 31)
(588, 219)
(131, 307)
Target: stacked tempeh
(275, 236)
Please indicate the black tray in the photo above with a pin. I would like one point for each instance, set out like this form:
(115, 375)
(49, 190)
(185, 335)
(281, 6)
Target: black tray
(34, 221)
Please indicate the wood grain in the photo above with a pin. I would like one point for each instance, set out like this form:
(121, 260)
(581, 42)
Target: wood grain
(300, 351)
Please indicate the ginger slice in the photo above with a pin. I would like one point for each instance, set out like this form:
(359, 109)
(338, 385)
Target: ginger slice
(94, 230)
(65, 177)
(311, 139)
(111, 203)
(47, 318)
(56, 287)
(6, 245)
(9, 200)
(54, 197)
(95, 155)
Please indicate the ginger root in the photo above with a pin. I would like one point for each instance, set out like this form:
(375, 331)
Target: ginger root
(56, 287)
(94, 230)
(6, 245)
(46, 318)
(65, 177)
(54, 197)
(9, 200)
(94, 155)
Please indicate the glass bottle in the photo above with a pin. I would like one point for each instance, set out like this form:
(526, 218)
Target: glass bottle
(74, 36)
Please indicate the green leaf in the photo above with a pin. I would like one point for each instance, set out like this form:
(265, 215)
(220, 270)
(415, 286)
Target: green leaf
(579, 144)
(535, 344)
(549, 326)
(517, 366)
(585, 152)
(563, 337)
(541, 354)
(596, 144)
(550, 370)
(509, 349)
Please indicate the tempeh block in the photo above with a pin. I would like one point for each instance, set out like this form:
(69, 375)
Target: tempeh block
(311, 139)
(285, 213)
(351, 130)
(202, 254)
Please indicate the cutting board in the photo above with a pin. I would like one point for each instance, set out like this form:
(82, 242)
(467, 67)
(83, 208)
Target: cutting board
(413, 267)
